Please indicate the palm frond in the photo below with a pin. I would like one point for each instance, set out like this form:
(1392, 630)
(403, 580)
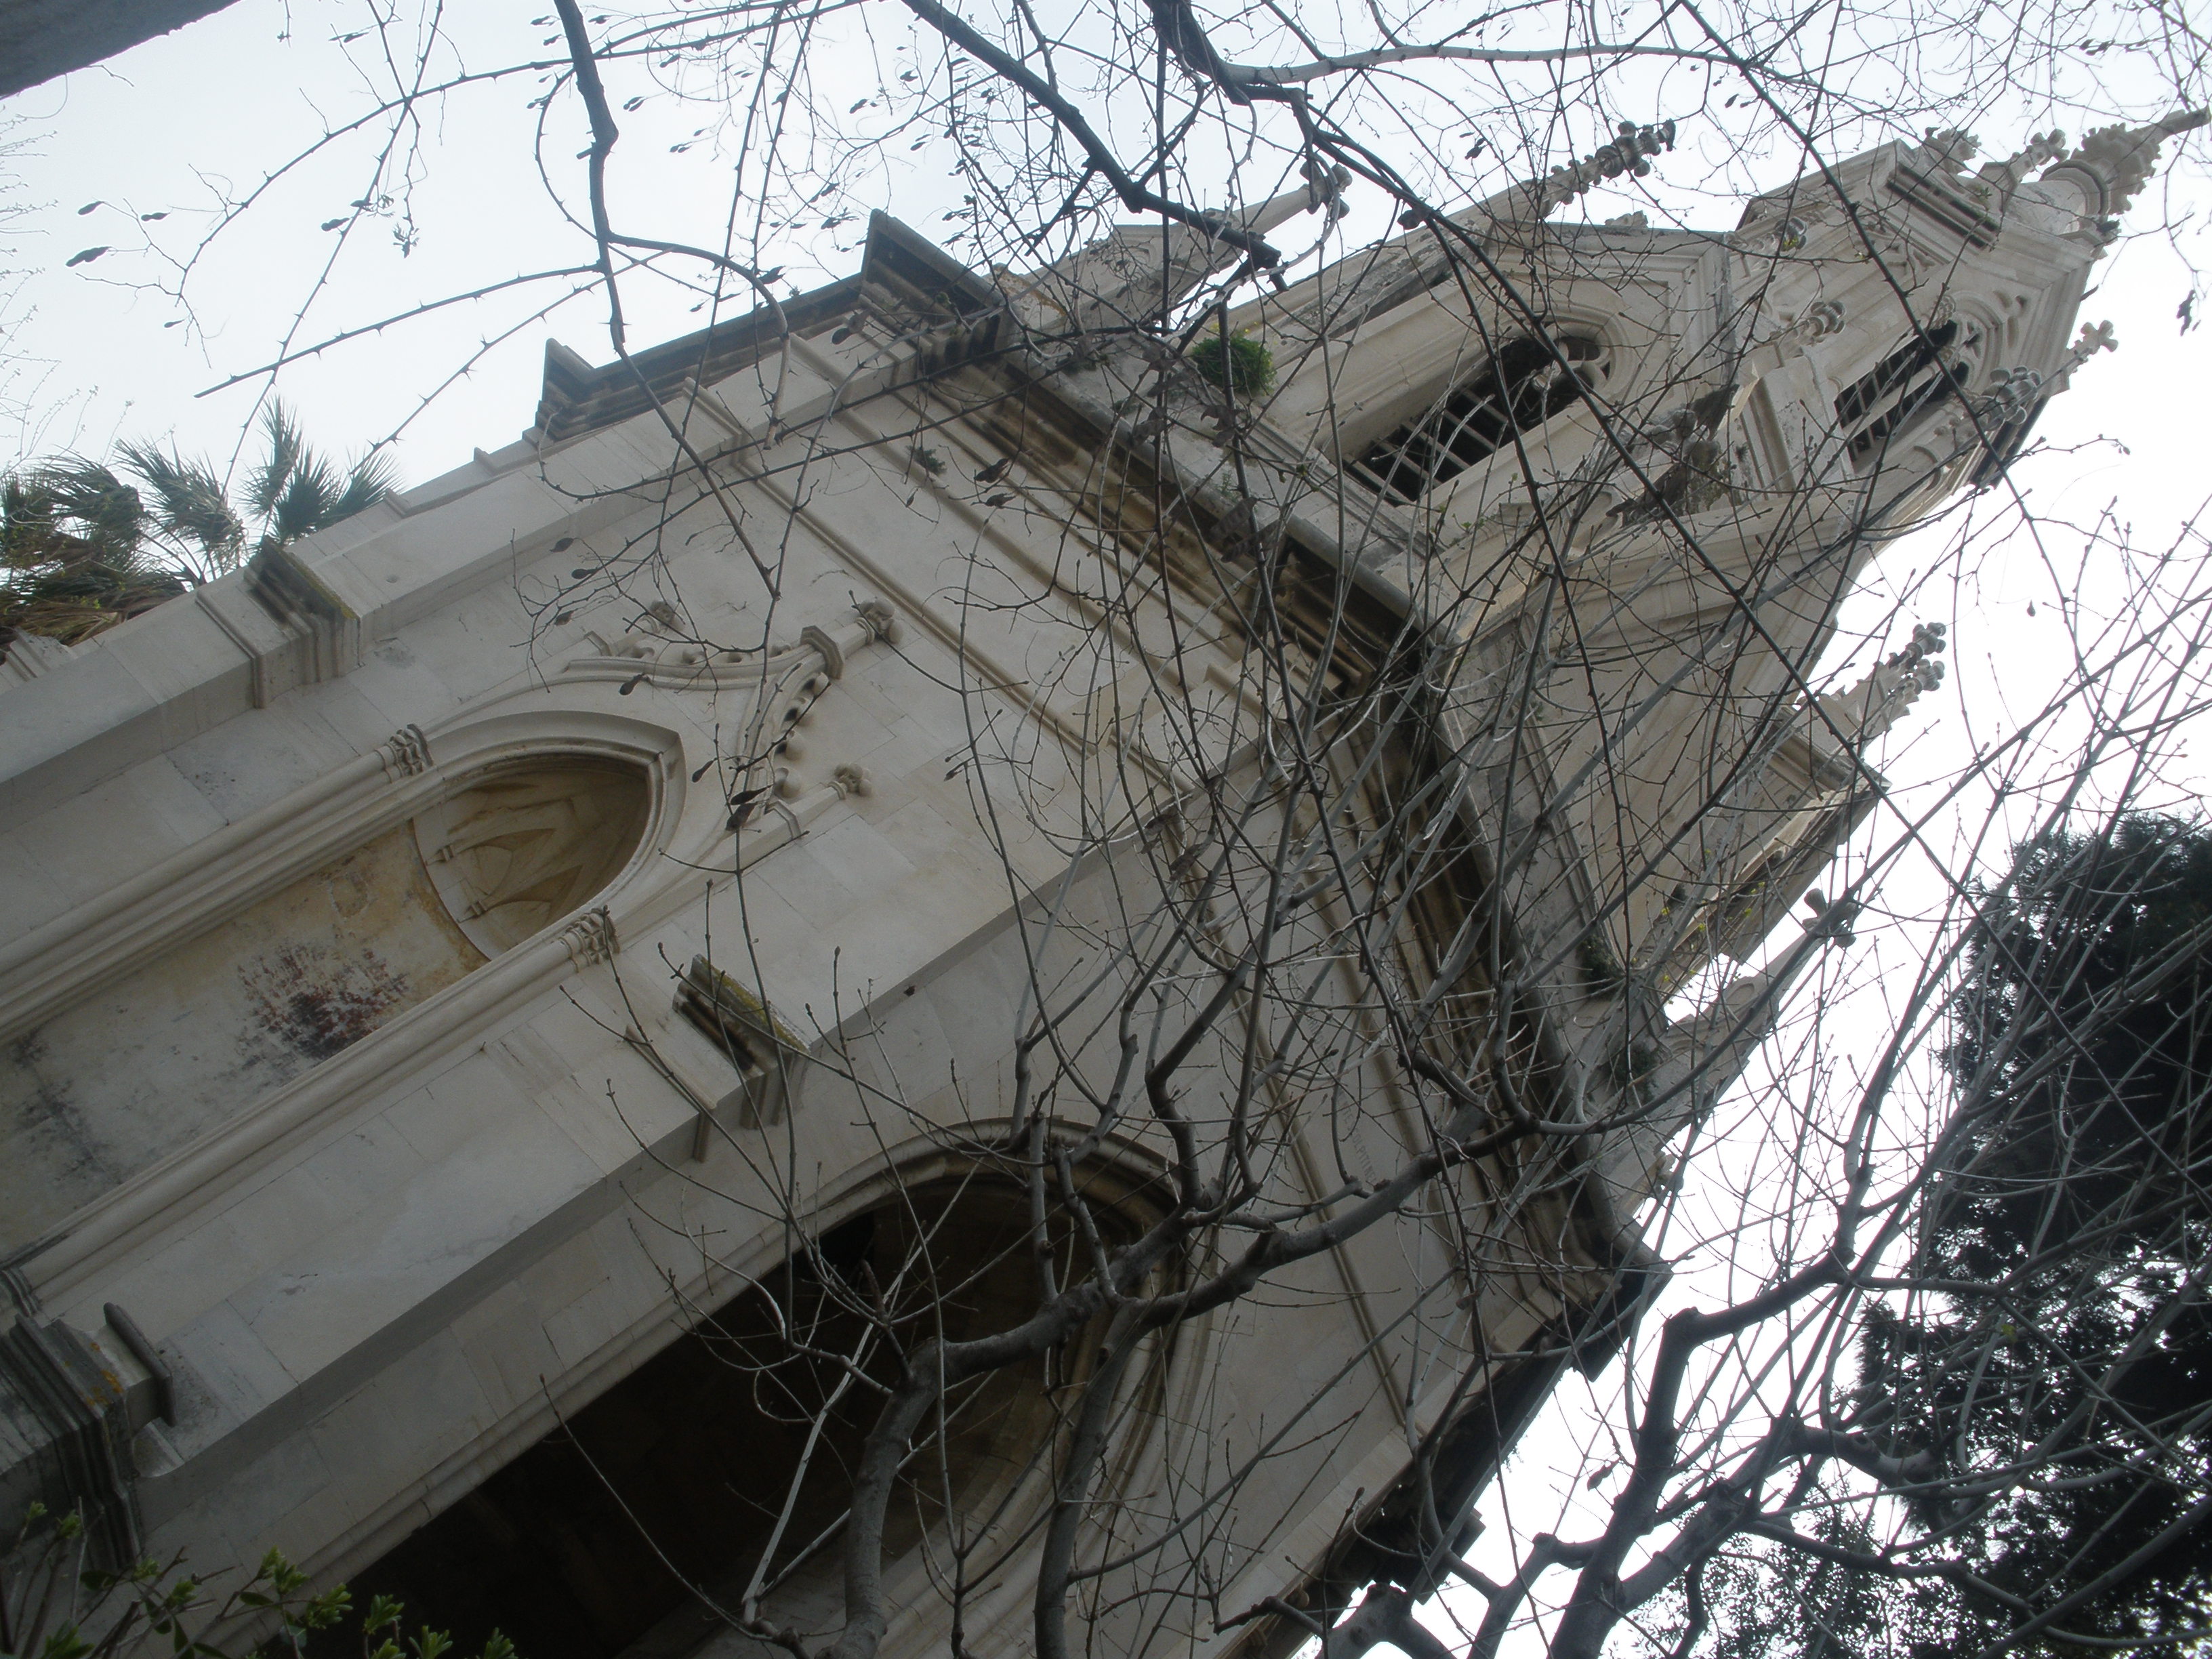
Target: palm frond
(372, 478)
(74, 510)
(288, 451)
(189, 503)
(28, 527)
(313, 491)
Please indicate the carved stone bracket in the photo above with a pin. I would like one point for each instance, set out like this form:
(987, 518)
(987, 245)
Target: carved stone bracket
(326, 632)
(64, 1433)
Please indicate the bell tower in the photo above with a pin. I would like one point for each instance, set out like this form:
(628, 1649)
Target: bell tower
(519, 1033)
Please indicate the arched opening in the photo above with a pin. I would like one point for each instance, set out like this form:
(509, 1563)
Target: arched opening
(720, 1469)
(1526, 383)
(1904, 389)
(145, 1063)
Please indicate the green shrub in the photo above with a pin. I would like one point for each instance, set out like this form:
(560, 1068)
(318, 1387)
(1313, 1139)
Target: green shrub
(1243, 367)
(51, 1607)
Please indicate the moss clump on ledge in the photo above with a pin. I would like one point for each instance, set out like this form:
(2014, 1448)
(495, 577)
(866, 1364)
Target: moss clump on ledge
(1243, 367)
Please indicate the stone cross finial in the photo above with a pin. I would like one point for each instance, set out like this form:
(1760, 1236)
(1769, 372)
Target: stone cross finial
(2094, 338)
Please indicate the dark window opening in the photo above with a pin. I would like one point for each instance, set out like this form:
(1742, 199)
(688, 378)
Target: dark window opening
(1900, 389)
(1516, 392)
(588, 1545)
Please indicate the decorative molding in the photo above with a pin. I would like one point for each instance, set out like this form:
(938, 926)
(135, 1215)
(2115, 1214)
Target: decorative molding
(826, 646)
(29, 655)
(783, 684)
(198, 889)
(1941, 194)
(591, 938)
(167, 1197)
(406, 753)
(638, 659)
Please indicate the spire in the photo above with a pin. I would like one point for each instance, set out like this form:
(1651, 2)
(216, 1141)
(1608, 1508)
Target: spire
(1135, 273)
(1628, 153)
(2113, 164)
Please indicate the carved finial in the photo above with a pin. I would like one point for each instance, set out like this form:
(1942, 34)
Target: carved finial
(2004, 177)
(1821, 318)
(1948, 150)
(1832, 920)
(406, 753)
(1628, 153)
(2113, 163)
(1871, 707)
(1138, 272)
(591, 938)
(2012, 392)
(1325, 185)
(2094, 338)
(850, 780)
(880, 620)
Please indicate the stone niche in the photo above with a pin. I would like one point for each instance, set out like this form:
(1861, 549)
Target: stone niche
(147, 1063)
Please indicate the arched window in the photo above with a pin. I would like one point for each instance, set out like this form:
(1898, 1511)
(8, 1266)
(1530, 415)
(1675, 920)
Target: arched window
(1523, 386)
(1903, 389)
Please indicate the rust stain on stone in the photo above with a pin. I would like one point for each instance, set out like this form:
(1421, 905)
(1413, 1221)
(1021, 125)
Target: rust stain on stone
(315, 1001)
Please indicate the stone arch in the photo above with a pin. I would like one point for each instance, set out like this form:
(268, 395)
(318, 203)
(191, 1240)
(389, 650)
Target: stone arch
(247, 997)
(513, 849)
(719, 1467)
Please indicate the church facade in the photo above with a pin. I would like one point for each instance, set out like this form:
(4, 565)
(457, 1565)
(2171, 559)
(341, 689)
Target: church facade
(483, 975)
